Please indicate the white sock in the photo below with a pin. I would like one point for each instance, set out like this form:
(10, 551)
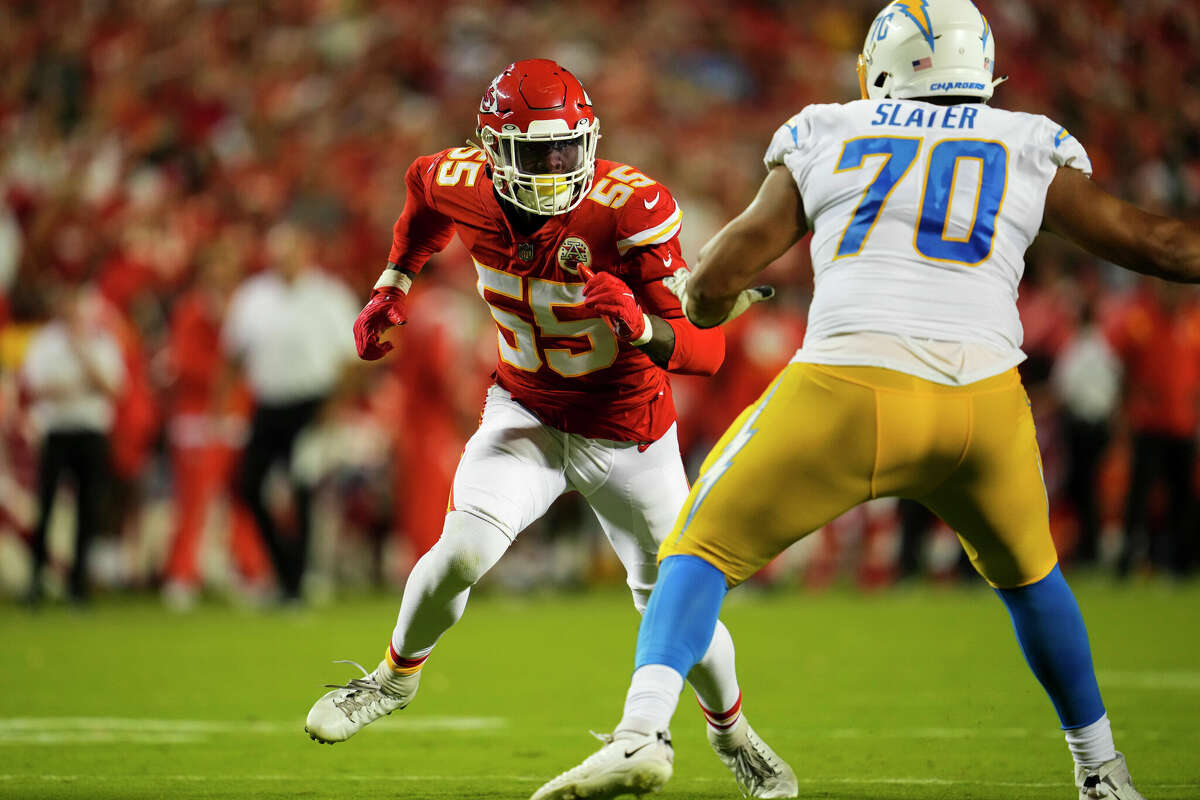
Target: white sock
(1092, 745)
(436, 592)
(715, 680)
(650, 703)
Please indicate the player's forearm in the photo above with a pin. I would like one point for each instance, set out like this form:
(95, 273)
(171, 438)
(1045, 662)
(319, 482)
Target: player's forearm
(1109, 228)
(698, 351)
(726, 266)
(662, 341)
(1157, 246)
(680, 347)
(771, 224)
(1173, 251)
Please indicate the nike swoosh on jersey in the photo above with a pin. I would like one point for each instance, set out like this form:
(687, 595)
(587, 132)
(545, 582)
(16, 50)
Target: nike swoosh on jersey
(651, 203)
(667, 261)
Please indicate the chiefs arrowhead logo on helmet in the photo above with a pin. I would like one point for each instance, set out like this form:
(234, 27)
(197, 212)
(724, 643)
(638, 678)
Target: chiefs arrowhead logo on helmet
(490, 102)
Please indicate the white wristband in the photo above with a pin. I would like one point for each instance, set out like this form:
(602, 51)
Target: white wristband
(394, 277)
(647, 332)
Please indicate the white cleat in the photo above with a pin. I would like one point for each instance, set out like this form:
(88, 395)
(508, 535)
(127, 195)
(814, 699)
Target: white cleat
(629, 763)
(757, 768)
(340, 714)
(1109, 780)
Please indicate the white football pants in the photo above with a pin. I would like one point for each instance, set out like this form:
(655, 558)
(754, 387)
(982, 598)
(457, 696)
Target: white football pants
(512, 469)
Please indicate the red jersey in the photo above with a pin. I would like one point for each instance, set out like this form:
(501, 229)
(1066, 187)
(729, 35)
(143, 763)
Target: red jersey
(194, 352)
(1161, 353)
(556, 357)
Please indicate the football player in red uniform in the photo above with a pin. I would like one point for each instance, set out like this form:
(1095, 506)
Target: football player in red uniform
(570, 252)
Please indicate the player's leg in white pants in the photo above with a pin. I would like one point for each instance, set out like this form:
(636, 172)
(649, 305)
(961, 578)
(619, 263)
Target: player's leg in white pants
(636, 497)
(636, 494)
(436, 592)
(509, 474)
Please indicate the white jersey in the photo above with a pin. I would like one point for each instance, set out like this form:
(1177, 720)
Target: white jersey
(921, 215)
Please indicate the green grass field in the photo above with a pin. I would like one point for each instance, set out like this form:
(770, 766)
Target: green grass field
(906, 694)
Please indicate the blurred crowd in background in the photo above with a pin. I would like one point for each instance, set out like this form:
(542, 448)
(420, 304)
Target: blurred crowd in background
(158, 155)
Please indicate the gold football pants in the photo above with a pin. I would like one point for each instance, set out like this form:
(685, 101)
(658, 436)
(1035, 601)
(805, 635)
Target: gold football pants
(823, 439)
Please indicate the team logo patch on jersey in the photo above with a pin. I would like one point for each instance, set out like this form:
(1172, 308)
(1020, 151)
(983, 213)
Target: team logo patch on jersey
(525, 251)
(573, 252)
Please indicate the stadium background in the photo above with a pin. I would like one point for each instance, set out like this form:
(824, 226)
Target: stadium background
(148, 147)
(146, 142)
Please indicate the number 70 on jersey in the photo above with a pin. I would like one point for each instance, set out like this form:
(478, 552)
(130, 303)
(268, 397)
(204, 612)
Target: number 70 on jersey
(931, 236)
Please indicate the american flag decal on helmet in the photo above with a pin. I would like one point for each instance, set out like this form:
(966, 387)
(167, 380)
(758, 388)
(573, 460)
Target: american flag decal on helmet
(922, 63)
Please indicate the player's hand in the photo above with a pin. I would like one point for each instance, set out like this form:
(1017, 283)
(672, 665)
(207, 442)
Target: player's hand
(677, 284)
(611, 298)
(387, 307)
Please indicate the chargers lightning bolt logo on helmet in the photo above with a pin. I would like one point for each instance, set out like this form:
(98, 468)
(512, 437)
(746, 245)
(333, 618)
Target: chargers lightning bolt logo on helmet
(918, 12)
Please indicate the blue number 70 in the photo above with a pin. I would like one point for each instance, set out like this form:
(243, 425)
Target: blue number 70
(930, 239)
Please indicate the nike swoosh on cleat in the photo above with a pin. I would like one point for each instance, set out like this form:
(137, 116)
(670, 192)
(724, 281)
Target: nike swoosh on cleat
(634, 751)
(651, 203)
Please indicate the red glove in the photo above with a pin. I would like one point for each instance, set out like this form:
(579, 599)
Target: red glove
(385, 309)
(611, 297)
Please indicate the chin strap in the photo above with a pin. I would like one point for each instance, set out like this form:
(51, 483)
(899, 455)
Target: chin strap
(999, 81)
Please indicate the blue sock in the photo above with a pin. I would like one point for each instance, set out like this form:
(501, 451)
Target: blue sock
(1055, 643)
(682, 613)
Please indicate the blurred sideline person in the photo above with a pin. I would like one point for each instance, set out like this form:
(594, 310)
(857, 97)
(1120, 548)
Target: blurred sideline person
(205, 441)
(288, 330)
(922, 201)
(1087, 382)
(73, 371)
(570, 252)
(1158, 341)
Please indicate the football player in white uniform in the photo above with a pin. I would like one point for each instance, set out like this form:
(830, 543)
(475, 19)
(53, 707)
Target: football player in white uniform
(922, 201)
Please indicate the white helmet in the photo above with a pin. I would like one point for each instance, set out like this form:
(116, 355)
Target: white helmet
(928, 48)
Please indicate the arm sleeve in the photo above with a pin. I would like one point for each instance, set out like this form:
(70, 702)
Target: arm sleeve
(698, 351)
(421, 229)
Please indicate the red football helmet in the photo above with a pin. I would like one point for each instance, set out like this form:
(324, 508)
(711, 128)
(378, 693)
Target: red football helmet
(539, 133)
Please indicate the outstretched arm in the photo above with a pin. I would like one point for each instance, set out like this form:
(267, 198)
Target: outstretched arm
(1109, 228)
(420, 232)
(772, 223)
